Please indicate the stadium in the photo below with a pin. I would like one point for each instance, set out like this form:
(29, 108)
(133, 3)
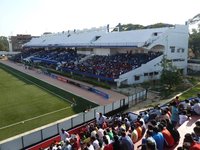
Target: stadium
(50, 66)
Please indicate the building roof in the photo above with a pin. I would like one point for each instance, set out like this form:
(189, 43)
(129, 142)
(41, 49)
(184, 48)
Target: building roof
(134, 38)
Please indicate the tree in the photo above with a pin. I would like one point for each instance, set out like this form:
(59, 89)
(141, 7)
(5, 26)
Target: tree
(129, 26)
(3, 43)
(170, 76)
(194, 41)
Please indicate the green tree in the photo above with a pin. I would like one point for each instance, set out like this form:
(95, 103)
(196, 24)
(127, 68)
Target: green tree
(130, 26)
(170, 76)
(3, 43)
(194, 41)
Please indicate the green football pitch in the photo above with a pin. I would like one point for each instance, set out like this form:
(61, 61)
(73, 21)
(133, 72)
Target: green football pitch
(25, 105)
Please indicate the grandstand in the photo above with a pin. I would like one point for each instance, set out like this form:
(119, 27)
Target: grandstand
(128, 57)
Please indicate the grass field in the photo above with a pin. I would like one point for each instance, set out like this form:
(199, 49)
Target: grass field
(191, 93)
(25, 105)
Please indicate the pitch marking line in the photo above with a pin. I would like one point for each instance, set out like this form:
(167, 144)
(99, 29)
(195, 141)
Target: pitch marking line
(40, 86)
(21, 122)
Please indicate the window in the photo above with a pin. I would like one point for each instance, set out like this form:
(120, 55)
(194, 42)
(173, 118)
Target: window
(172, 49)
(183, 50)
(178, 50)
(156, 73)
(145, 74)
(155, 33)
(137, 78)
(151, 74)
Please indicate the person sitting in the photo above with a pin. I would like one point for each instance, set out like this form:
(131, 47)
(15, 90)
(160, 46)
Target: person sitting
(159, 138)
(183, 117)
(196, 107)
(126, 141)
(150, 145)
(189, 143)
(146, 117)
(148, 138)
(169, 140)
(134, 134)
(196, 134)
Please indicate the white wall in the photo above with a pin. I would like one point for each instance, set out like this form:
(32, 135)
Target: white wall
(151, 66)
(101, 51)
(84, 52)
(177, 37)
(195, 67)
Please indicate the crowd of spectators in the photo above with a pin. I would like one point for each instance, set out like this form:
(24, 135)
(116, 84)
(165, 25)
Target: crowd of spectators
(155, 128)
(112, 66)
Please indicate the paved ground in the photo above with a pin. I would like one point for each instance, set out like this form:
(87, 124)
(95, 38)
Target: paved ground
(114, 96)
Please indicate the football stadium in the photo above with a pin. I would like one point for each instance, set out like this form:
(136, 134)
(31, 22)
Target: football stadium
(46, 102)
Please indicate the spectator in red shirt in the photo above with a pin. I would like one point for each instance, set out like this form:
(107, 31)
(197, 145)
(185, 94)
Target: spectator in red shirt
(107, 145)
(167, 135)
(189, 143)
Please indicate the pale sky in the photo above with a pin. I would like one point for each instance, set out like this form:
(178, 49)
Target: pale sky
(38, 16)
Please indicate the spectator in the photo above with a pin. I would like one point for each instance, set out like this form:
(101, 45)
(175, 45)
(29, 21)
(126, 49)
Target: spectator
(95, 143)
(107, 146)
(159, 138)
(175, 114)
(183, 117)
(100, 120)
(148, 142)
(174, 132)
(64, 135)
(196, 135)
(196, 107)
(146, 117)
(134, 134)
(127, 143)
(189, 143)
(67, 145)
(151, 144)
(116, 143)
(110, 133)
(90, 146)
(167, 135)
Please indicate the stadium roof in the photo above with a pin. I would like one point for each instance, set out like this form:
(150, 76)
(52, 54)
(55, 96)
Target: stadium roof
(134, 38)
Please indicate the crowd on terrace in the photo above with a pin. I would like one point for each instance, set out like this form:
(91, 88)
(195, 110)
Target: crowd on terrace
(114, 65)
(111, 66)
(155, 129)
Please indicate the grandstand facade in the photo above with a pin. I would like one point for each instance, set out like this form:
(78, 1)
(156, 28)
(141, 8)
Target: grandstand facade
(126, 57)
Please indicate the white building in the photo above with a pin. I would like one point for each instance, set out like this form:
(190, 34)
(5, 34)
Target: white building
(171, 41)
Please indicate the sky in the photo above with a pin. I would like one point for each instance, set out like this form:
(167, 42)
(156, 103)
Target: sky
(38, 16)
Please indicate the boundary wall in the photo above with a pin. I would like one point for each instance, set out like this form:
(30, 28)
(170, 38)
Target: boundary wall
(46, 132)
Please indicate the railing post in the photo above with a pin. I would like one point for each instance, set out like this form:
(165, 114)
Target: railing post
(94, 113)
(22, 142)
(58, 129)
(42, 137)
(72, 122)
(84, 117)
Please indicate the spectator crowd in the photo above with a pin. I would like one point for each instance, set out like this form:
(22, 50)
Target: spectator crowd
(155, 129)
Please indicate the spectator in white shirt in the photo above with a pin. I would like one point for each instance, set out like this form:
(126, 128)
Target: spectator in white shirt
(95, 143)
(64, 135)
(183, 117)
(196, 107)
